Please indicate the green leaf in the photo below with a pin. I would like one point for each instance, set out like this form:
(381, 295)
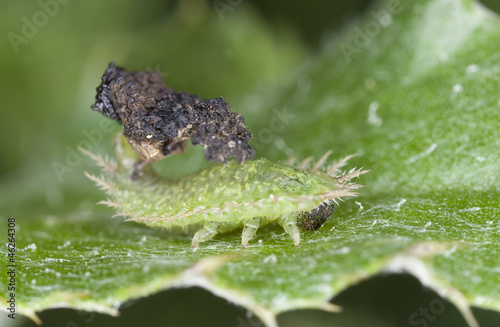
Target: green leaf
(417, 100)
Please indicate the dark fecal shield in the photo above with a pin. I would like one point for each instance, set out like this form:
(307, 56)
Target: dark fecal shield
(312, 220)
(158, 120)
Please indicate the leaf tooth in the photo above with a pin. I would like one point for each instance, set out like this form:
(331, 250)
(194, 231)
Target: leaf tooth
(105, 163)
(320, 162)
(331, 170)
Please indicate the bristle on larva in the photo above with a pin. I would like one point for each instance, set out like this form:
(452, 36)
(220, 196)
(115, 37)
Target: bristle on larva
(112, 204)
(351, 174)
(104, 163)
(304, 164)
(320, 162)
(331, 170)
(105, 185)
(290, 161)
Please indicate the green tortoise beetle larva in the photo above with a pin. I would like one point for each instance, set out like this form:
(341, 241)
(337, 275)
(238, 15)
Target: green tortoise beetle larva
(225, 197)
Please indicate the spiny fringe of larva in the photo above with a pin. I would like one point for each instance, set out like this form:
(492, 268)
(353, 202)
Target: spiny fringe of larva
(105, 185)
(320, 162)
(112, 204)
(305, 163)
(344, 189)
(332, 169)
(106, 163)
(290, 161)
(344, 178)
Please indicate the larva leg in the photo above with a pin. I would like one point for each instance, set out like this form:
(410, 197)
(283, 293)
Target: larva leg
(205, 233)
(289, 224)
(249, 230)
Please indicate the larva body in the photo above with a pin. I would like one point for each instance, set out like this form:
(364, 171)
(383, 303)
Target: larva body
(225, 197)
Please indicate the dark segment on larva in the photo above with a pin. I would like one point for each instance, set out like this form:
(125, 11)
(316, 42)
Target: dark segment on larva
(158, 120)
(312, 220)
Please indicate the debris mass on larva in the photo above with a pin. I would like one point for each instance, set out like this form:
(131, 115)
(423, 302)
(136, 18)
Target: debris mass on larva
(218, 199)
(157, 120)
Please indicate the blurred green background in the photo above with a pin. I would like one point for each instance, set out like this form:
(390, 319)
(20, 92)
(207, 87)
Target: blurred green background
(52, 56)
